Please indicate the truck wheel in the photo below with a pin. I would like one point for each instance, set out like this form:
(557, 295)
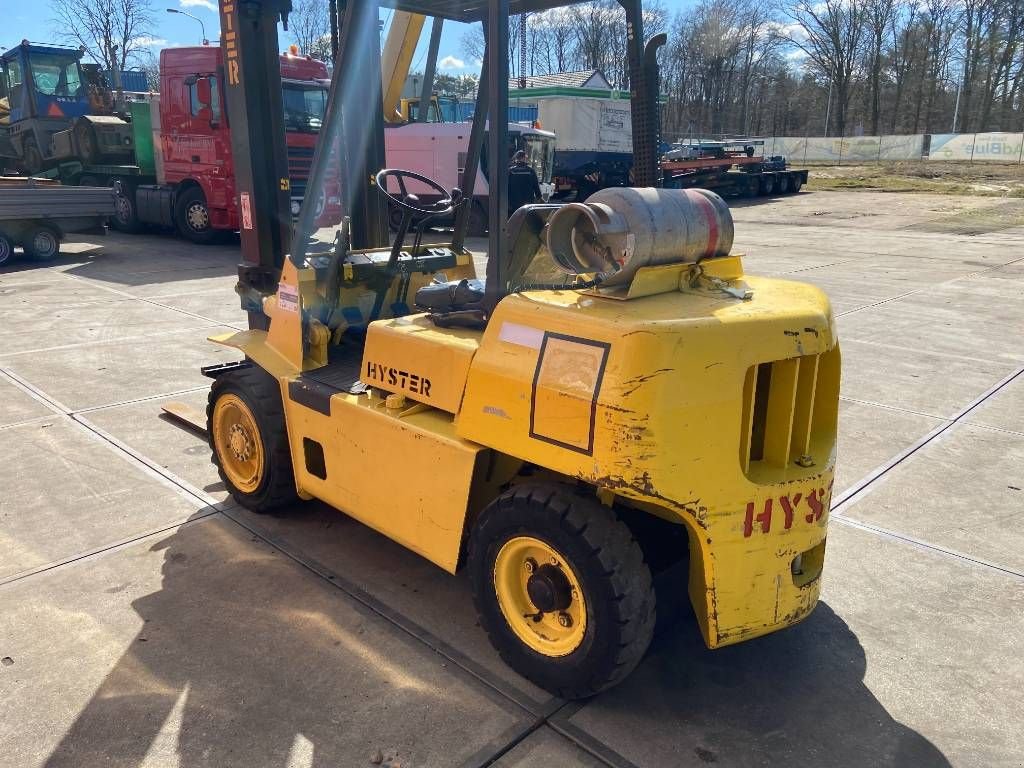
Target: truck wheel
(126, 214)
(782, 186)
(32, 158)
(796, 183)
(192, 216)
(42, 243)
(767, 184)
(246, 429)
(562, 589)
(6, 249)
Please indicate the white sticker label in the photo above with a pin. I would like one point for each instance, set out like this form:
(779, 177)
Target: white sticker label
(288, 297)
(523, 335)
(246, 206)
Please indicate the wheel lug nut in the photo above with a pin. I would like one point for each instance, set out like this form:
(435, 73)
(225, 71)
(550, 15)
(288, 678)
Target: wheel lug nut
(565, 619)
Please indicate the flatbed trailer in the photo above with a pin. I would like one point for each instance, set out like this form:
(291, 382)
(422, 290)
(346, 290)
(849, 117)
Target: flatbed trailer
(730, 168)
(37, 214)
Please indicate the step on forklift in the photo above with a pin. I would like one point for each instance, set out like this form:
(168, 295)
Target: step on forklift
(615, 394)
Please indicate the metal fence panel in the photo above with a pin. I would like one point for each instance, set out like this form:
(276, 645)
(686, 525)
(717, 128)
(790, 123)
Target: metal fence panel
(977, 147)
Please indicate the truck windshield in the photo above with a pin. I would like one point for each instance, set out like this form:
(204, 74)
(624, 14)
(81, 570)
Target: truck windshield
(55, 75)
(304, 107)
(540, 154)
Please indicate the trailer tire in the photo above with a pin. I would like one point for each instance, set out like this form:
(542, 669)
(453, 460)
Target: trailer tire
(192, 217)
(6, 249)
(797, 182)
(598, 597)
(126, 212)
(783, 184)
(42, 243)
(249, 441)
(767, 185)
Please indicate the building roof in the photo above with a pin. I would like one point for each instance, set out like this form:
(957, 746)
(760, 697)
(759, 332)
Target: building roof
(584, 78)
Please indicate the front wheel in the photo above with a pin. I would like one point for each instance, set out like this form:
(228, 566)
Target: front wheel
(42, 244)
(6, 249)
(562, 589)
(192, 217)
(126, 214)
(246, 429)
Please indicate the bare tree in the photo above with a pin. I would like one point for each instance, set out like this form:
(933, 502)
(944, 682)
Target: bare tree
(831, 33)
(112, 32)
(308, 25)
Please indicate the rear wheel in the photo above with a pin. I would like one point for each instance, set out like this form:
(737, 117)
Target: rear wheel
(42, 243)
(767, 184)
(796, 183)
(783, 184)
(247, 434)
(192, 217)
(126, 214)
(562, 589)
(6, 249)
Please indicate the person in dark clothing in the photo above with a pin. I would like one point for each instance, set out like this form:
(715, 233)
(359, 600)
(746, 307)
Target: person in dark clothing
(523, 184)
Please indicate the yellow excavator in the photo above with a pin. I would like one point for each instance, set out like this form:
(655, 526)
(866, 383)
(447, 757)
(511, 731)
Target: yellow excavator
(616, 394)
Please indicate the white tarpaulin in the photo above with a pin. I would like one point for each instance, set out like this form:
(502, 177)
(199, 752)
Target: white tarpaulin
(991, 147)
(590, 125)
(856, 149)
(902, 147)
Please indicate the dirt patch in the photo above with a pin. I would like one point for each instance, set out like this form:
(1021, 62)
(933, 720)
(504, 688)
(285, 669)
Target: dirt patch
(984, 179)
(976, 221)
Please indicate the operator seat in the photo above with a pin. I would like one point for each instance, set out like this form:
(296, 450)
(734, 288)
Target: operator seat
(467, 302)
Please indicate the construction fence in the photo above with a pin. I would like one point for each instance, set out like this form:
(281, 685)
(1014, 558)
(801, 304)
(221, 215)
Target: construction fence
(971, 147)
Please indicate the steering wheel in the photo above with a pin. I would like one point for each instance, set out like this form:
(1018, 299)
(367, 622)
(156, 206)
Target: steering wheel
(449, 201)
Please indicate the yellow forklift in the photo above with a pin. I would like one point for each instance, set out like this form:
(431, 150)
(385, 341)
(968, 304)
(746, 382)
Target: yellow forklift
(617, 392)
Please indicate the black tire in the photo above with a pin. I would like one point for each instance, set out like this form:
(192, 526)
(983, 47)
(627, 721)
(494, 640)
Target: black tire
(31, 158)
(782, 186)
(126, 213)
(477, 220)
(796, 182)
(42, 243)
(192, 217)
(767, 184)
(609, 565)
(262, 395)
(6, 249)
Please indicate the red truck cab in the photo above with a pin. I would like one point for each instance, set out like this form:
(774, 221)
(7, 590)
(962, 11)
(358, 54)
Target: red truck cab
(194, 163)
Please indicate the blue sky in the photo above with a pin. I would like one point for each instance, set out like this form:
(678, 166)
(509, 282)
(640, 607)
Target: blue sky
(35, 22)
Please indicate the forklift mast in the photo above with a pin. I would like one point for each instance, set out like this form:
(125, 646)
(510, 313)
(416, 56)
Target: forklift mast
(252, 74)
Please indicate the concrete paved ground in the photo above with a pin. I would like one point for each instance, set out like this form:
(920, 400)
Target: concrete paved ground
(145, 620)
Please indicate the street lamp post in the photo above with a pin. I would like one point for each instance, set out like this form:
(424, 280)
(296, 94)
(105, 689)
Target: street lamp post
(201, 25)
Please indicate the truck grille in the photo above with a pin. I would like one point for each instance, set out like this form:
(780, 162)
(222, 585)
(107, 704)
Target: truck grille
(789, 414)
(300, 164)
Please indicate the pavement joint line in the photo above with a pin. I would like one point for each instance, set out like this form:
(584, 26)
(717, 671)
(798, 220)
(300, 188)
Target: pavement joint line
(92, 554)
(896, 408)
(182, 486)
(865, 485)
(847, 338)
(403, 623)
(922, 544)
(148, 467)
(98, 342)
(145, 399)
(502, 744)
(560, 723)
(931, 286)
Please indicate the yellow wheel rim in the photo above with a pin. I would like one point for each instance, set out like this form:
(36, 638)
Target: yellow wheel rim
(237, 441)
(528, 571)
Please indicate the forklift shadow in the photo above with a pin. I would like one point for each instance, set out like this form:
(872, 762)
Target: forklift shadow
(796, 697)
(242, 660)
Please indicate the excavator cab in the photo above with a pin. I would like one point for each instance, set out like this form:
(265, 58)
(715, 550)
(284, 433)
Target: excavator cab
(615, 396)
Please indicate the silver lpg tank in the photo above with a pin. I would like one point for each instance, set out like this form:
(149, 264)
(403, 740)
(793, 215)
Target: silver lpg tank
(620, 229)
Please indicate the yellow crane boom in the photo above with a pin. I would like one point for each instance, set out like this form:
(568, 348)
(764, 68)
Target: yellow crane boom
(396, 58)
